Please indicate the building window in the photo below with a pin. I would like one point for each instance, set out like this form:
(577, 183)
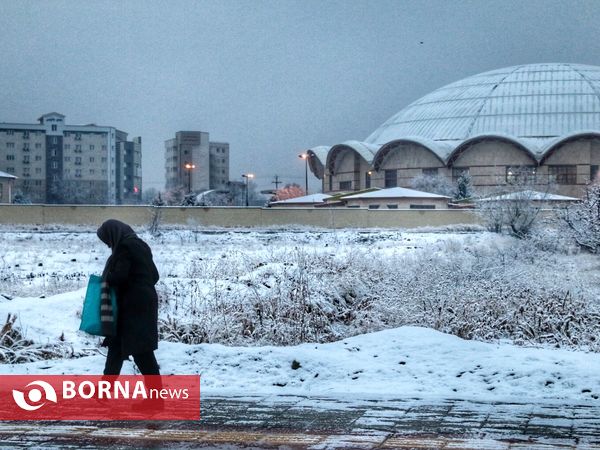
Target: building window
(54, 152)
(67, 158)
(104, 148)
(78, 173)
(26, 159)
(330, 182)
(430, 172)
(345, 185)
(10, 157)
(367, 180)
(391, 178)
(10, 145)
(38, 170)
(10, 132)
(37, 182)
(78, 148)
(593, 172)
(67, 146)
(25, 134)
(92, 171)
(77, 136)
(66, 133)
(54, 140)
(422, 206)
(26, 172)
(373, 206)
(104, 159)
(26, 147)
(458, 171)
(38, 145)
(92, 147)
(54, 165)
(393, 206)
(10, 169)
(53, 127)
(520, 174)
(562, 174)
(38, 158)
(78, 160)
(92, 159)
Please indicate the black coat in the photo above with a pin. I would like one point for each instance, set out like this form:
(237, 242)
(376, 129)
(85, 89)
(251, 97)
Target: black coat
(131, 271)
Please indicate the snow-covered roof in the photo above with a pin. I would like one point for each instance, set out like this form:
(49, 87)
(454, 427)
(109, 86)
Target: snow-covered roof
(312, 198)
(320, 152)
(534, 100)
(6, 175)
(537, 107)
(395, 192)
(530, 195)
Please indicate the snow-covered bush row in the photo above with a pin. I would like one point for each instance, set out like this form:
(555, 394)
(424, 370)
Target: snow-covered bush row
(252, 287)
(476, 291)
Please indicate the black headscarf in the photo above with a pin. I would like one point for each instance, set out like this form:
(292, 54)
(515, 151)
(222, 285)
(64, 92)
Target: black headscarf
(112, 232)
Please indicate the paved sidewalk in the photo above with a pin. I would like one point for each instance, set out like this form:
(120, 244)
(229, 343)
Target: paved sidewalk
(324, 423)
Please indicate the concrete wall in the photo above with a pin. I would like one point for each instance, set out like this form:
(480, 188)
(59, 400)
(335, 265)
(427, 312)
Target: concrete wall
(232, 217)
(350, 166)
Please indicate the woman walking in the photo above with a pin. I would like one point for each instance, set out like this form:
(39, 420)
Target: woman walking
(130, 270)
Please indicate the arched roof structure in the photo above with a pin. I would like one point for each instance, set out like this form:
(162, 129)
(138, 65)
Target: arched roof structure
(535, 107)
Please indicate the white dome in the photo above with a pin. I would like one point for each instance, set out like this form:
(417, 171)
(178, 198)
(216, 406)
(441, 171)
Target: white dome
(534, 103)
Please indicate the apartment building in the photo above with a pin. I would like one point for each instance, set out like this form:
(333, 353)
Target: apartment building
(59, 163)
(195, 163)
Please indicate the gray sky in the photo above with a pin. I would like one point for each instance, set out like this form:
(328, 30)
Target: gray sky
(270, 77)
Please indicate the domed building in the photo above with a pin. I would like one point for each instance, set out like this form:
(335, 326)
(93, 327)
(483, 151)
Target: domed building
(538, 119)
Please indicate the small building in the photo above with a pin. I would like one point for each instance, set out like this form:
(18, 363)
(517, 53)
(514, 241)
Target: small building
(6, 187)
(540, 199)
(396, 198)
(304, 201)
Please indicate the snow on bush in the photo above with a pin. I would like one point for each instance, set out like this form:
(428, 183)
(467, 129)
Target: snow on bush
(480, 291)
(242, 287)
(15, 348)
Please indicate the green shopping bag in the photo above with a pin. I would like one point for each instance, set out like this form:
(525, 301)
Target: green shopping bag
(90, 315)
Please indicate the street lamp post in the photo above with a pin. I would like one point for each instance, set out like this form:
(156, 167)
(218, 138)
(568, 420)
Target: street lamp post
(247, 176)
(304, 156)
(189, 167)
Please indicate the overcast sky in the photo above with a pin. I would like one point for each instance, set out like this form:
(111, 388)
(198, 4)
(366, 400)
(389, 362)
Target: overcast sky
(270, 77)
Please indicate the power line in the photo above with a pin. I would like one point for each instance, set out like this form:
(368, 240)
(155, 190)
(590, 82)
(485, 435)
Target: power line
(276, 182)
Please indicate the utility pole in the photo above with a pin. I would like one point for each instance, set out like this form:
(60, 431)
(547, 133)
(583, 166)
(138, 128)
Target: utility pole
(276, 182)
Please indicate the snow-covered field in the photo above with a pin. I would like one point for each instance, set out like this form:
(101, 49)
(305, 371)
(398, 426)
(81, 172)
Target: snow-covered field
(332, 291)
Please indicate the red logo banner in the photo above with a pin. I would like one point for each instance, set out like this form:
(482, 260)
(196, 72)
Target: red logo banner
(95, 397)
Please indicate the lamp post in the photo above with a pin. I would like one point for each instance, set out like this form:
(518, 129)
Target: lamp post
(304, 156)
(247, 176)
(189, 167)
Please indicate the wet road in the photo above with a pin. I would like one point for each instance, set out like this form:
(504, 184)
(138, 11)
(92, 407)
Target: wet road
(325, 423)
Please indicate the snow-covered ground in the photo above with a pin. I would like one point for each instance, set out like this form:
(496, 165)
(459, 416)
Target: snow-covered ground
(43, 278)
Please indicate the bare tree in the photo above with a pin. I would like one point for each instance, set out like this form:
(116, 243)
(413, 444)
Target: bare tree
(288, 191)
(515, 205)
(583, 219)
